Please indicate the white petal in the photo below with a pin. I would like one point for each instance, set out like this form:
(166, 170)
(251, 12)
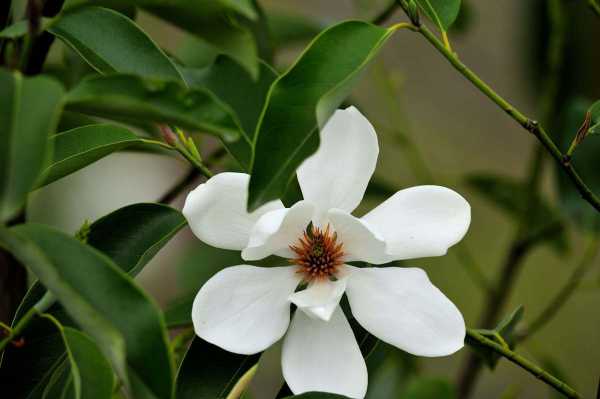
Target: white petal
(321, 298)
(360, 241)
(421, 221)
(275, 231)
(403, 308)
(216, 211)
(323, 356)
(244, 309)
(336, 176)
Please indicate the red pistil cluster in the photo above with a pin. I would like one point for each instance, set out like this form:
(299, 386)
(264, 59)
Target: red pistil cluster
(318, 253)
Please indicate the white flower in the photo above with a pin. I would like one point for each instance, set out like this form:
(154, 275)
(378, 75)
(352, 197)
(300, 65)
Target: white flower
(245, 309)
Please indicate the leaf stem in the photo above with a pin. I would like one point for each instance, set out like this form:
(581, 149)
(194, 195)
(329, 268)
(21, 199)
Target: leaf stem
(41, 306)
(446, 41)
(566, 292)
(524, 363)
(528, 124)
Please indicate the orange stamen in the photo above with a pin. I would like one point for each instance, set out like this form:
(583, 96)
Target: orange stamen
(318, 254)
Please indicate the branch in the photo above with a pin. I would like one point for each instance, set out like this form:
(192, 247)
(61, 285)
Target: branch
(529, 124)
(524, 363)
(565, 293)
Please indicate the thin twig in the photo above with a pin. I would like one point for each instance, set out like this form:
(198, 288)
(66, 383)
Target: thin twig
(527, 123)
(565, 293)
(524, 240)
(525, 364)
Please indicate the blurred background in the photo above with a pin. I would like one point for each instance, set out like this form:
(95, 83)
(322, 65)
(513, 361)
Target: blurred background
(434, 127)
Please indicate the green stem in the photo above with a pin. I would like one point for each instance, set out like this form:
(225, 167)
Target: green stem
(197, 163)
(529, 124)
(566, 292)
(524, 239)
(41, 306)
(524, 363)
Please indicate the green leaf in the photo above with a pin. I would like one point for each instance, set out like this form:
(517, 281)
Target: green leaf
(585, 161)
(104, 301)
(224, 24)
(197, 381)
(227, 80)
(132, 235)
(301, 100)
(79, 147)
(29, 110)
(88, 372)
(286, 29)
(130, 96)
(442, 12)
(213, 21)
(429, 388)
(512, 197)
(112, 43)
(503, 334)
(25, 371)
(594, 111)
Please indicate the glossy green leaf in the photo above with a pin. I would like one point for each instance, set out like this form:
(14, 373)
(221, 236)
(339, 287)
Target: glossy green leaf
(197, 381)
(442, 12)
(90, 373)
(104, 301)
(585, 160)
(29, 110)
(513, 196)
(56, 361)
(214, 22)
(224, 24)
(156, 100)
(79, 147)
(301, 100)
(594, 111)
(226, 79)
(504, 334)
(112, 43)
(132, 235)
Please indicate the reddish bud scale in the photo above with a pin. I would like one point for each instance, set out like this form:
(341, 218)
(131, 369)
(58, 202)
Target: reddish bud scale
(318, 254)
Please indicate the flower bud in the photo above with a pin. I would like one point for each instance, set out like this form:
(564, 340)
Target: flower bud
(168, 136)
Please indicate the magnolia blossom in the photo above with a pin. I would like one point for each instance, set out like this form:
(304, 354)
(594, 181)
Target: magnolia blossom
(245, 309)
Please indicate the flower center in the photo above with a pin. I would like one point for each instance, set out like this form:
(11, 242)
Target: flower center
(318, 254)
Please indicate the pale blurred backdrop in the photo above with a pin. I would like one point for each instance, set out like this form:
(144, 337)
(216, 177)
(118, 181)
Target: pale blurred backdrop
(458, 132)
